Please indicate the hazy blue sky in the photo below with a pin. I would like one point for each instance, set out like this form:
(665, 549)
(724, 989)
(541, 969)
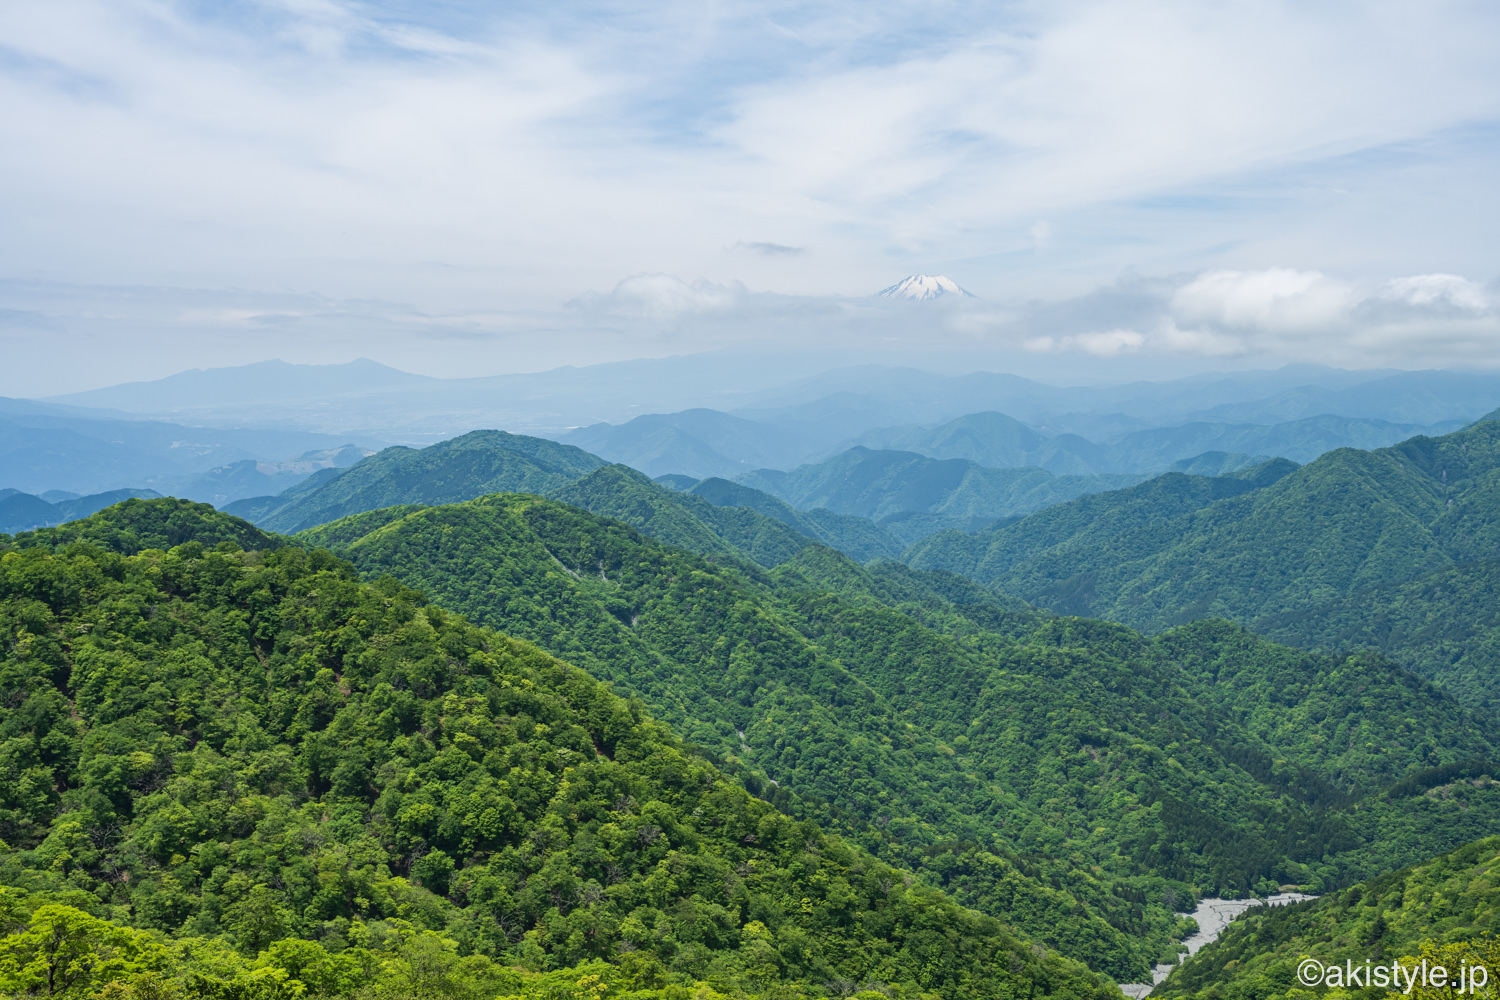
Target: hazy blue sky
(475, 187)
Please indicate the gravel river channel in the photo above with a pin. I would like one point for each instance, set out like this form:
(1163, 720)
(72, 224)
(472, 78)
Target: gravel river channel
(1212, 915)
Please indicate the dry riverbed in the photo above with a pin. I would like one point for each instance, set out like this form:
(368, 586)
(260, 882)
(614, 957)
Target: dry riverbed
(1212, 916)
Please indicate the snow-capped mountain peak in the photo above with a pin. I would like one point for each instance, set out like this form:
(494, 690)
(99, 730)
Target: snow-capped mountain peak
(923, 287)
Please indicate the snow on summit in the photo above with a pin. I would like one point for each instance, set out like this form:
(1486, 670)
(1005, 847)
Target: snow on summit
(923, 287)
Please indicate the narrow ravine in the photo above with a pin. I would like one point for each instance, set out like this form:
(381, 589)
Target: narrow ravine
(1212, 916)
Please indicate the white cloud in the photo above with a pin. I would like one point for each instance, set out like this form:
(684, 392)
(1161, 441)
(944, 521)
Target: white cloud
(546, 153)
(661, 297)
(1279, 299)
(1104, 345)
(1429, 319)
(766, 249)
(1437, 290)
(1269, 316)
(485, 163)
(1131, 328)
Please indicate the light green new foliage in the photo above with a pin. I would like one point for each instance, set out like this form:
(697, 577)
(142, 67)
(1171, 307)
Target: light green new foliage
(63, 951)
(1062, 773)
(251, 747)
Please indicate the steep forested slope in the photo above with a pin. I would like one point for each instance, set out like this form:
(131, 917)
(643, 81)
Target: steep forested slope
(916, 715)
(1073, 777)
(1128, 523)
(1390, 547)
(857, 537)
(1444, 625)
(683, 519)
(718, 517)
(237, 749)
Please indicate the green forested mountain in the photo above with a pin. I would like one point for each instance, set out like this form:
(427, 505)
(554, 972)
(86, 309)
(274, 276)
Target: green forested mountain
(1447, 900)
(912, 496)
(238, 773)
(953, 734)
(472, 465)
(1391, 548)
(137, 524)
(1128, 521)
(1444, 625)
(269, 749)
(625, 495)
(716, 517)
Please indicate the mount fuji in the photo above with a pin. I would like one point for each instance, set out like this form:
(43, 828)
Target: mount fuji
(924, 288)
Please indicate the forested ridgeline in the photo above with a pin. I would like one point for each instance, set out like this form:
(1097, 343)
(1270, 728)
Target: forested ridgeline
(234, 773)
(625, 491)
(1394, 549)
(1000, 751)
(1077, 778)
(714, 516)
(467, 466)
(1451, 902)
(686, 520)
(708, 644)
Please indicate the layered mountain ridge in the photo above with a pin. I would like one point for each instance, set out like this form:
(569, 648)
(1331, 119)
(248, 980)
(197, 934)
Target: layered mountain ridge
(905, 752)
(1391, 548)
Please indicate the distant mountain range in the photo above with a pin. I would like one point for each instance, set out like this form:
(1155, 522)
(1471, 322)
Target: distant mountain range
(262, 383)
(47, 447)
(700, 443)
(705, 443)
(914, 451)
(865, 503)
(251, 477)
(1389, 548)
(362, 401)
(913, 496)
(365, 402)
(999, 441)
(912, 396)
